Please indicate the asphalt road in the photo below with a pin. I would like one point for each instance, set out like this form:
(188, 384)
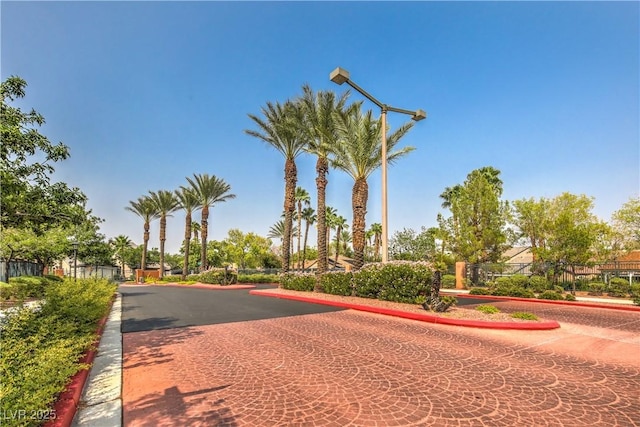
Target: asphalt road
(153, 307)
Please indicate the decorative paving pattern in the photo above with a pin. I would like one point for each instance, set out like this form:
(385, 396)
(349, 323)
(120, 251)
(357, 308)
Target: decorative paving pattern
(353, 368)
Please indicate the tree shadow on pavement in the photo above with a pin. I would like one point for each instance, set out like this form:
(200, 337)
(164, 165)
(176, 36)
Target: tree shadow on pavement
(174, 407)
(147, 348)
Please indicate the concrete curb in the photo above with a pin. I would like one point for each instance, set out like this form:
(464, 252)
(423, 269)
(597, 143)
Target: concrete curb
(530, 326)
(101, 404)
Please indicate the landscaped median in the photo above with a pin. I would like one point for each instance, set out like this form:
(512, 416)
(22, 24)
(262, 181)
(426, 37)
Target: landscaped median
(457, 317)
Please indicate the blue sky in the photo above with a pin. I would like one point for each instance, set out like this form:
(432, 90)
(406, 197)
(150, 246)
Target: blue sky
(147, 93)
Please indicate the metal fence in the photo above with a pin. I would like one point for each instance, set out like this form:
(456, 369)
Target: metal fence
(100, 271)
(491, 271)
(20, 268)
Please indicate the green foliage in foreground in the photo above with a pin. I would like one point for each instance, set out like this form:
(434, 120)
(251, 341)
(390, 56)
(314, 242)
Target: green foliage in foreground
(524, 316)
(23, 287)
(298, 282)
(41, 347)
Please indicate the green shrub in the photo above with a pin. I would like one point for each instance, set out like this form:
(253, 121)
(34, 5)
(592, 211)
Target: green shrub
(480, 291)
(551, 295)
(257, 278)
(635, 290)
(193, 277)
(298, 282)
(448, 281)
(336, 283)
(596, 288)
(53, 278)
(398, 281)
(569, 297)
(618, 287)
(519, 280)
(636, 299)
(41, 349)
(488, 309)
(29, 286)
(538, 284)
(512, 291)
(171, 279)
(501, 282)
(218, 276)
(523, 315)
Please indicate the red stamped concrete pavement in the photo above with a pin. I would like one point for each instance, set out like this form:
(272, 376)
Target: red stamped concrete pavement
(361, 369)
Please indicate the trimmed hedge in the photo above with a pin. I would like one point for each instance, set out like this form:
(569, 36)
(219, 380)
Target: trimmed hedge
(218, 276)
(41, 348)
(538, 284)
(398, 281)
(337, 283)
(448, 281)
(618, 287)
(298, 282)
(551, 295)
(596, 288)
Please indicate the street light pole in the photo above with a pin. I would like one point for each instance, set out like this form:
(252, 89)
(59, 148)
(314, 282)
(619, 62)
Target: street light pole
(340, 76)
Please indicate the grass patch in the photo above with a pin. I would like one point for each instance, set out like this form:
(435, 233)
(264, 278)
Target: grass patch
(488, 309)
(524, 316)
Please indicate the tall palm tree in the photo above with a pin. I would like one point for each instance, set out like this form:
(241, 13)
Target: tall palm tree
(209, 190)
(330, 219)
(281, 129)
(120, 244)
(166, 203)
(368, 235)
(145, 209)
(309, 216)
(340, 224)
(359, 153)
(346, 239)
(376, 229)
(320, 132)
(302, 196)
(187, 201)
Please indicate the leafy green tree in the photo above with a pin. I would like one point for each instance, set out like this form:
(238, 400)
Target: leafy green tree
(281, 129)
(359, 153)
(210, 190)
(145, 209)
(28, 199)
(413, 246)
(376, 230)
(247, 250)
(320, 134)
(477, 228)
(45, 247)
(340, 224)
(626, 223)
(165, 203)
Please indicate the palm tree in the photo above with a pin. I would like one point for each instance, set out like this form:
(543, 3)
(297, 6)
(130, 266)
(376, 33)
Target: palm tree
(120, 244)
(309, 216)
(320, 132)
(346, 239)
(145, 209)
(340, 224)
(376, 229)
(188, 201)
(359, 153)
(368, 235)
(165, 203)
(195, 227)
(330, 219)
(278, 231)
(209, 190)
(281, 129)
(301, 196)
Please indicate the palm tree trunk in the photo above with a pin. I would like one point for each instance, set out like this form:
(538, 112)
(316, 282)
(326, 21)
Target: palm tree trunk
(299, 231)
(145, 241)
(290, 178)
(187, 244)
(304, 247)
(204, 233)
(163, 237)
(338, 231)
(322, 168)
(359, 204)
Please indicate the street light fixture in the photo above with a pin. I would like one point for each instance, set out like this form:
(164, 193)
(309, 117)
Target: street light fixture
(340, 76)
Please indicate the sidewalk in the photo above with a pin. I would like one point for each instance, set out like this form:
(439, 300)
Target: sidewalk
(101, 403)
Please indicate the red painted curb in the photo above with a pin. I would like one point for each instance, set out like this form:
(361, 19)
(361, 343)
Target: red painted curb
(67, 403)
(611, 306)
(198, 286)
(530, 326)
